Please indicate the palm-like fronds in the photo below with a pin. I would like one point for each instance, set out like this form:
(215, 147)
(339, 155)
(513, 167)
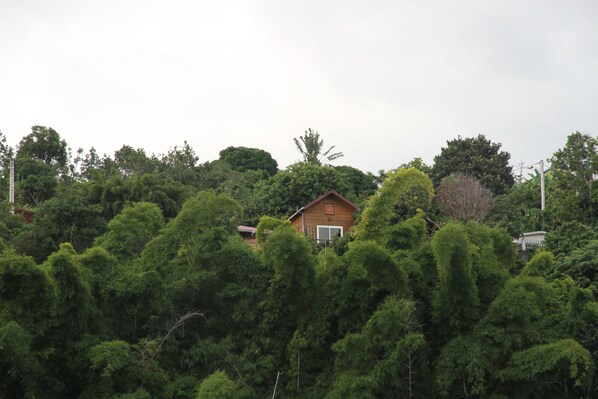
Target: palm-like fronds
(311, 147)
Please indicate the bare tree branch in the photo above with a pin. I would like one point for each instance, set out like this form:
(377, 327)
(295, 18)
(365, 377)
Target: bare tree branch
(463, 198)
(179, 323)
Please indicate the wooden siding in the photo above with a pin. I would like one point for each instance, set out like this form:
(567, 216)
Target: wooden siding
(316, 215)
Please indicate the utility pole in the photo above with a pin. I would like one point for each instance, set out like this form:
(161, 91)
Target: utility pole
(276, 385)
(11, 190)
(542, 192)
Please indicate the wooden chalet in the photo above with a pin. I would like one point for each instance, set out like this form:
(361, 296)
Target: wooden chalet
(326, 217)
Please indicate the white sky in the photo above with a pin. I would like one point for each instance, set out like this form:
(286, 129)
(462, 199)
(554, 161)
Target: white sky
(384, 81)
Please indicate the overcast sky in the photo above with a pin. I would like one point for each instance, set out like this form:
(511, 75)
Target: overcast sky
(384, 81)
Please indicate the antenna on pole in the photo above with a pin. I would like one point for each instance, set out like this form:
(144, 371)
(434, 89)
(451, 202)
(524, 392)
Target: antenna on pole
(542, 192)
(11, 190)
(521, 172)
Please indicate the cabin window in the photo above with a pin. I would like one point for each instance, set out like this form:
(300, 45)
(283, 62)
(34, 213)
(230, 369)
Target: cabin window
(328, 233)
(328, 209)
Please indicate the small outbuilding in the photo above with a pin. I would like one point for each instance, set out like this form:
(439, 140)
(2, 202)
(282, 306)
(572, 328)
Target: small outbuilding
(248, 234)
(326, 217)
(530, 239)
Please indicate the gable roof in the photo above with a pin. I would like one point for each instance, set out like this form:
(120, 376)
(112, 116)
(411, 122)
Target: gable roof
(333, 193)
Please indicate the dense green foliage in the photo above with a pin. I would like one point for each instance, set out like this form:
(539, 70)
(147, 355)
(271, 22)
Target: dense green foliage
(402, 193)
(243, 159)
(133, 282)
(519, 210)
(574, 169)
(477, 157)
(298, 185)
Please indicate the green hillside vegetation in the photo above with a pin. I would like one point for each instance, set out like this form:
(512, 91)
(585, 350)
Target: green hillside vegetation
(132, 281)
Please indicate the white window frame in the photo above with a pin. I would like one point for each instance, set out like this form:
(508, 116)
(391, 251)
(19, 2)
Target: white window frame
(329, 227)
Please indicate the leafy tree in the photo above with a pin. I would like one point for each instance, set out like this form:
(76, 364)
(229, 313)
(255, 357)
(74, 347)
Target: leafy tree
(120, 371)
(477, 157)
(26, 294)
(112, 359)
(40, 160)
(220, 177)
(241, 187)
(266, 226)
(130, 230)
(351, 386)
(582, 265)
(381, 269)
(456, 301)
(312, 149)
(493, 256)
(215, 175)
(201, 214)
(67, 217)
(36, 181)
(568, 237)
(43, 144)
(217, 386)
(134, 161)
(462, 368)
(73, 290)
(11, 224)
(418, 164)
(364, 276)
(221, 275)
(139, 304)
(573, 170)
(295, 187)
(408, 234)
(243, 159)
(362, 184)
(117, 192)
(422, 273)
(6, 154)
(517, 315)
(401, 194)
(180, 164)
(91, 165)
(106, 273)
(19, 367)
(540, 265)
(289, 255)
(564, 364)
(388, 352)
(519, 210)
(463, 198)
(520, 341)
(74, 319)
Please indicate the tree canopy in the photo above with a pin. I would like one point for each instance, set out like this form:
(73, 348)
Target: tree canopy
(574, 168)
(129, 279)
(477, 157)
(297, 185)
(44, 144)
(402, 193)
(463, 198)
(243, 159)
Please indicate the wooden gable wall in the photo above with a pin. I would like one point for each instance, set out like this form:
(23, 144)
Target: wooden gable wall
(316, 215)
